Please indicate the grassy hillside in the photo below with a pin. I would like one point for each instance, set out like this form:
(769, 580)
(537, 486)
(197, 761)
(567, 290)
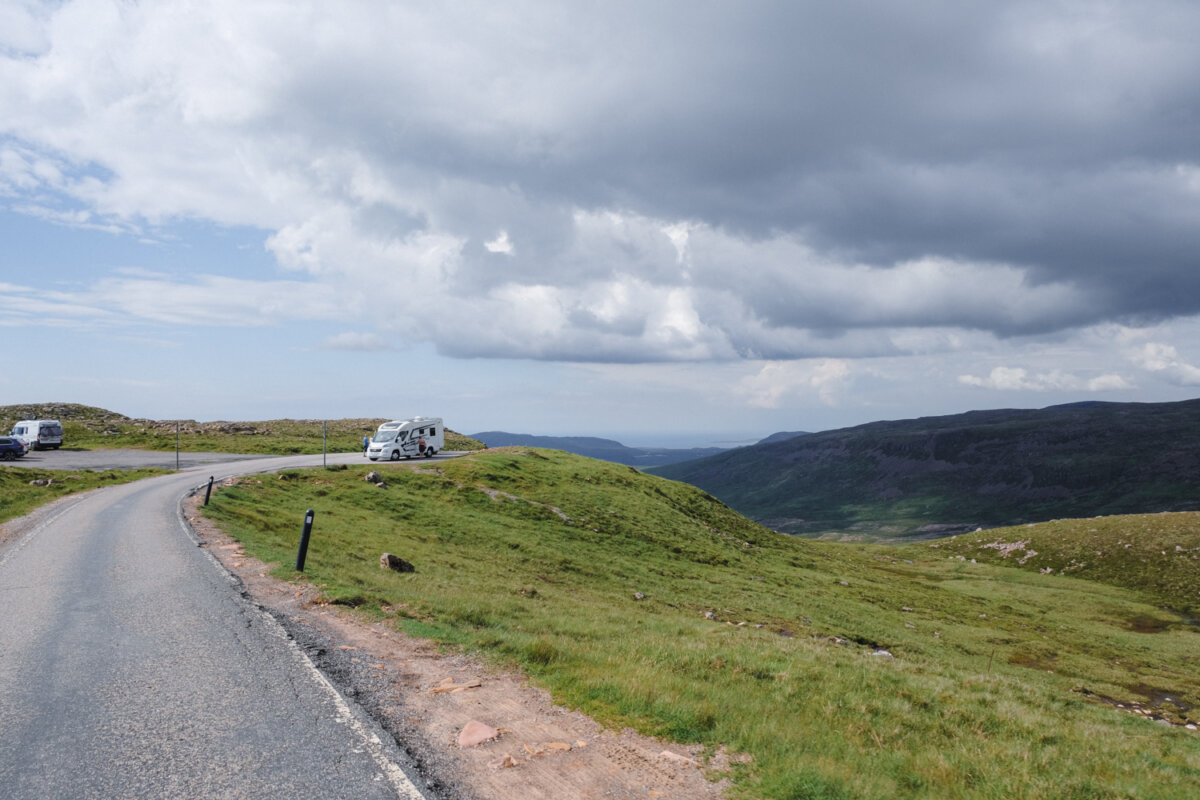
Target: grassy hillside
(939, 475)
(89, 428)
(842, 671)
(1158, 554)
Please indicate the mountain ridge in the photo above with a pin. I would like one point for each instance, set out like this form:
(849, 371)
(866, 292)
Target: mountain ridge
(940, 475)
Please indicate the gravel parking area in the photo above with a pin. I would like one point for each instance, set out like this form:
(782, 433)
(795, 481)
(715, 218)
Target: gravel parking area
(135, 459)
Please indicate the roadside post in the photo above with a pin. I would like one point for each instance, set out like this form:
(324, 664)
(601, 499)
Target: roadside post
(208, 492)
(177, 446)
(324, 441)
(302, 553)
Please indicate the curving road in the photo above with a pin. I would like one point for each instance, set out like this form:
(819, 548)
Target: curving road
(131, 666)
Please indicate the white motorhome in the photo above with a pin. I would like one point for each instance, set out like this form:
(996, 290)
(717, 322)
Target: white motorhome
(38, 434)
(419, 436)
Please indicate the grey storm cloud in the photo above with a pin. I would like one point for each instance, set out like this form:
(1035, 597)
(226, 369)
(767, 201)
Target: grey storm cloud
(631, 181)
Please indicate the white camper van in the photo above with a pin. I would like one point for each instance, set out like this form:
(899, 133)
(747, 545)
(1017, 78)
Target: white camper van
(38, 434)
(419, 436)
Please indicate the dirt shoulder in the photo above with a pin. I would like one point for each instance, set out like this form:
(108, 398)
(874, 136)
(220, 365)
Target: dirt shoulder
(425, 698)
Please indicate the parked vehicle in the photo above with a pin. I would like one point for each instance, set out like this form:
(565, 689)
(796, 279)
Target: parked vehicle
(39, 434)
(419, 436)
(11, 448)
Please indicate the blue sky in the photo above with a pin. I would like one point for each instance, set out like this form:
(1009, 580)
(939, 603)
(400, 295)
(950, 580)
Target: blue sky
(675, 223)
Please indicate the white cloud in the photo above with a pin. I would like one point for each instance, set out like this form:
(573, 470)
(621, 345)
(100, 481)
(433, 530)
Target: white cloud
(208, 300)
(394, 156)
(501, 244)
(24, 26)
(1019, 379)
(1165, 360)
(352, 340)
(778, 381)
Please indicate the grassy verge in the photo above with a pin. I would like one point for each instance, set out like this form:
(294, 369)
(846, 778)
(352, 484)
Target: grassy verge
(22, 490)
(840, 670)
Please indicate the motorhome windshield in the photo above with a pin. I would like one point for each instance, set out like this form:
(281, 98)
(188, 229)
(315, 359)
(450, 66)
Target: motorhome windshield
(387, 436)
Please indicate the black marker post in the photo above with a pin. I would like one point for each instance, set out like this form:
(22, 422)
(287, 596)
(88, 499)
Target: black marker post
(303, 552)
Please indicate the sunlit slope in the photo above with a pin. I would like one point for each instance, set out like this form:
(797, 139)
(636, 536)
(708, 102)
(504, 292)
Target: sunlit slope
(940, 475)
(838, 670)
(1158, 554)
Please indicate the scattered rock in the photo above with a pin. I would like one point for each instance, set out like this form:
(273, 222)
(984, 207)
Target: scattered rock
(395, 563)
(373, 477)
(639, 596)
(503, 762)
(476, 733)
(883, 653)
(449, 685)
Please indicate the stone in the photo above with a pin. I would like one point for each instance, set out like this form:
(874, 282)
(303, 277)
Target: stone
(395, 563)
(503, 762)
(639, 596)
(476, 733)
(373, 477)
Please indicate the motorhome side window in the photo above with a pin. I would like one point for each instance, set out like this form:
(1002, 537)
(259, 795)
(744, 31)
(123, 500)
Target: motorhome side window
(433, 431)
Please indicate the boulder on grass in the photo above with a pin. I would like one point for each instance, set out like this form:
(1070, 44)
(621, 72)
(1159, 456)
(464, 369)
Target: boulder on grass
(395, 563)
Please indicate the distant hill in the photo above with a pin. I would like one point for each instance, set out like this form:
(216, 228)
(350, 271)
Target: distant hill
(942, 475)
(782, 436)
(603, 449)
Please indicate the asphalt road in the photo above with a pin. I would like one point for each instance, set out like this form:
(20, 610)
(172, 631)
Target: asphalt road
(130, 665)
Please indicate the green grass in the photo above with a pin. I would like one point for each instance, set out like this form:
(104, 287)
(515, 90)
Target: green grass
(19, 495)
(1002, 682)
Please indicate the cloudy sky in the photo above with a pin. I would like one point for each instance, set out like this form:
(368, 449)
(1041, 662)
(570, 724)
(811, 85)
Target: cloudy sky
(668, 222)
